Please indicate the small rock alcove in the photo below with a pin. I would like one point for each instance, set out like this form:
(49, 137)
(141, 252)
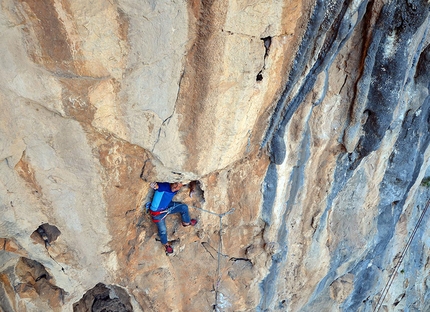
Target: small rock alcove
(198, 192)
(104, 298)
(37, 284)
(46, 234)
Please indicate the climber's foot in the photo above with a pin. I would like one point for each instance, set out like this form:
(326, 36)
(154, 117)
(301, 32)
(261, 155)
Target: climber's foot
(193, 222)
(169, 249)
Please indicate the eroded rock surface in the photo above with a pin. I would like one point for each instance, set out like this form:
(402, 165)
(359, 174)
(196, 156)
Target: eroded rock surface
(304, 124)
(104, 298)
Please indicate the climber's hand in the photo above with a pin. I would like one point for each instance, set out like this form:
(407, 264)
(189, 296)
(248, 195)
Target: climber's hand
(154, 185)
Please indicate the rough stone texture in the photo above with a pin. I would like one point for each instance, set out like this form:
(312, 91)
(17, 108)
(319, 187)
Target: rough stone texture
(104, 298)
(309, 118)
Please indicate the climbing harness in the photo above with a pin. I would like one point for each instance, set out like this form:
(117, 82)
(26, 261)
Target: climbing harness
(218, 281)
(402, 256)
(157, 213)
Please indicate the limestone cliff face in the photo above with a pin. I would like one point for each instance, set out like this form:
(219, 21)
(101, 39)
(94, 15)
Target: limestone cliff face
(304, 124)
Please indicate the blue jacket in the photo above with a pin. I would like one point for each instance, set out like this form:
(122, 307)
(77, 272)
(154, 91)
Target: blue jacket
(162, 197)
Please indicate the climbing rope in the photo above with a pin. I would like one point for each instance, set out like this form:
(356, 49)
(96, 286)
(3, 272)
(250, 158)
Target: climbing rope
(402, 256)
(218, 280)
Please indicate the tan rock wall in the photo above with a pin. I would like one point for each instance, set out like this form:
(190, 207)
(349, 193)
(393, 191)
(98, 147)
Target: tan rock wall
(99, 98)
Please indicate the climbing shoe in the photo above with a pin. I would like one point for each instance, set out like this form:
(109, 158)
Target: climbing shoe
(193, 222)
(169, 249)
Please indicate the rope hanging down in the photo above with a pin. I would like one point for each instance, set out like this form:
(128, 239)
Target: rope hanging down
(402, 256)
(218, 281)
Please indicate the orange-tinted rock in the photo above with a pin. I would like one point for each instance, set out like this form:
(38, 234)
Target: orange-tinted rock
(304, 124)
(26, 290)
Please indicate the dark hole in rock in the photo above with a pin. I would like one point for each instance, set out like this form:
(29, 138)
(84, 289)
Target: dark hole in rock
(259, 76)
(198, 193)
(46, 232)
(104, 298)
(267, 42)
(398, 299)
(364, 117)
(42, 276)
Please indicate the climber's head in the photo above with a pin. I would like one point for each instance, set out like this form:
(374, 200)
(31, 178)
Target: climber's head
(175, 186)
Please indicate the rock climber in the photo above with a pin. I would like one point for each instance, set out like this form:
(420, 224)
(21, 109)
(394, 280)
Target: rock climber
(162, 205)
